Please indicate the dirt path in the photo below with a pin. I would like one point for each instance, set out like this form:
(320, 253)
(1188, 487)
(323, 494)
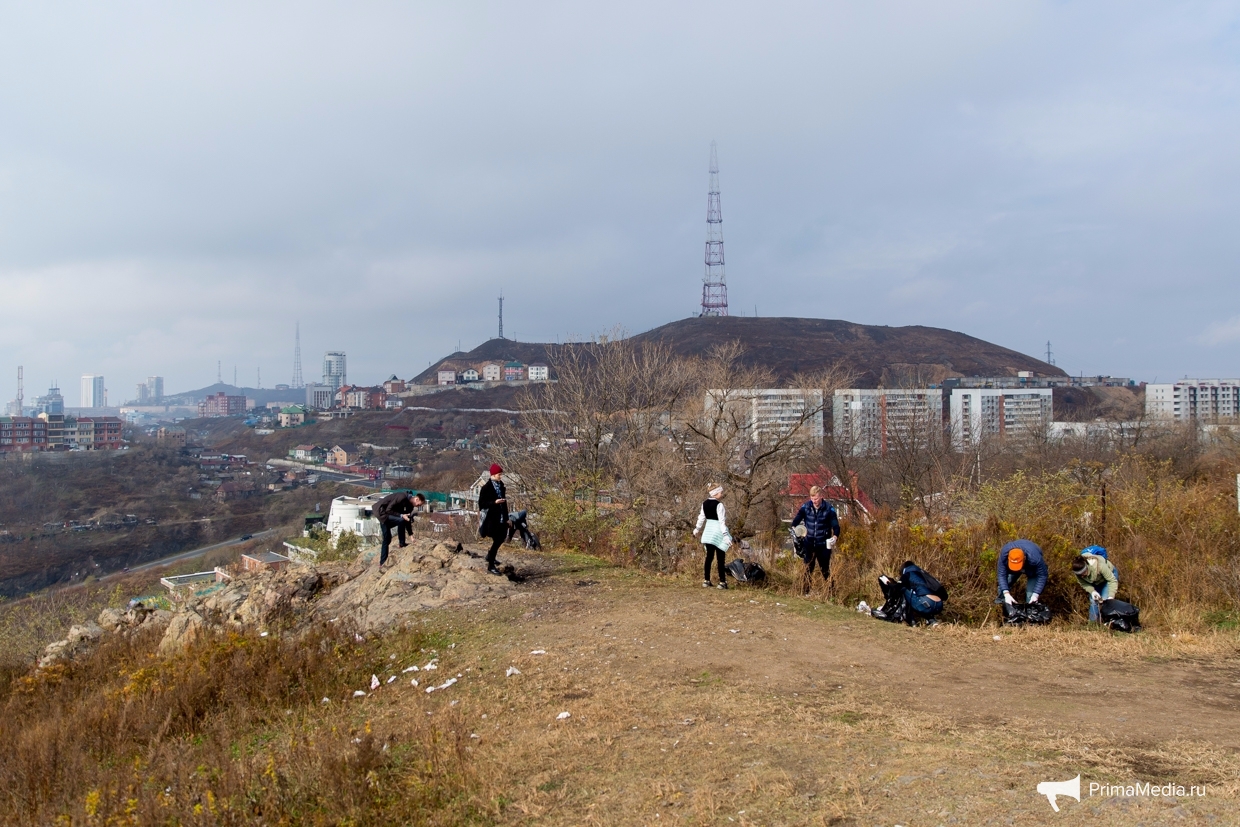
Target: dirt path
(689, 705)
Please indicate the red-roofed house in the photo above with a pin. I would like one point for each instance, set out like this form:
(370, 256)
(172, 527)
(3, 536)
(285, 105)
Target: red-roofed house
(833, 489)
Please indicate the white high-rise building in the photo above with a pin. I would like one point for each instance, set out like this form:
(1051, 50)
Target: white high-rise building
(1192, 399)
(1006, 413)
(872, 421)
(773, 412)
(334, 373)
(93, 393)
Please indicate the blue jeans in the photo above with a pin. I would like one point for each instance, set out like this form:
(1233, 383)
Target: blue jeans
(923, 606)
(1095, 606)
(1029, 593)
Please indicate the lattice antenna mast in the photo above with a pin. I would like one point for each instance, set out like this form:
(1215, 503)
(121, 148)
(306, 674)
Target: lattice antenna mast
(501, 315)
(297, 380)
(714, 282)
(1049, 360)
(20, 393)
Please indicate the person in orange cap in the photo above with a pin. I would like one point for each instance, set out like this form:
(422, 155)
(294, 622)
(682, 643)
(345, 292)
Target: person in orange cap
(1022, 557)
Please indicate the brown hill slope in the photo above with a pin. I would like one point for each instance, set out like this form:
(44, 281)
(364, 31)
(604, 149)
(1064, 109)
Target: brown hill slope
(877, 355)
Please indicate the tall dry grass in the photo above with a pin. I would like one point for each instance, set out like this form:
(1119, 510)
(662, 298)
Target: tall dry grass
(232, 731)
(1174, 541)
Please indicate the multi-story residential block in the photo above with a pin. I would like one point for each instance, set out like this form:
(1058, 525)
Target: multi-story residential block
(469, 375)
(447, 376)
(55, 430)
(22, 433)
(335, 373)
(1010, 414)
(320, 397)
(94, 395)
(872, 421)
(772, 412)
(95, 433)
(1194, 399)
(539, 372)
(221, 404)
(394, 385)
(492, 372)
(514, 371)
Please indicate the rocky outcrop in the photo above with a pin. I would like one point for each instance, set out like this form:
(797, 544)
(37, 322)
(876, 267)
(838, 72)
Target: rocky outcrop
(422, 576)
(83, 638)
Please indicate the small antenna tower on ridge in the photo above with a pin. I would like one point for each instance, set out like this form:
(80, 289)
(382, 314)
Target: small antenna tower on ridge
(501, 314)
(714, 283)
(297, 380)
(20, 395)
(219, 377)
(1049, 360)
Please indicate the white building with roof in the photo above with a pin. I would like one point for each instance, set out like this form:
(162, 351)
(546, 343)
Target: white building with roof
(1193, 399)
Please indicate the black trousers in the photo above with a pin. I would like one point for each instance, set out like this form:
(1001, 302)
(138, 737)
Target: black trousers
(385, 527)
(713, 553)
(821, 555)
(495, 544)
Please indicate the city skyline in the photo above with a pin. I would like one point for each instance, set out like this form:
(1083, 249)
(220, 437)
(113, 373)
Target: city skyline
(1022, 172)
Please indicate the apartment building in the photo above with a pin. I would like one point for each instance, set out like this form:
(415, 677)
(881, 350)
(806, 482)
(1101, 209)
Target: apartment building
(221, 404)
(1194, 399)
(869, 421)
(773, 412)
(979, 413)
(22, 433)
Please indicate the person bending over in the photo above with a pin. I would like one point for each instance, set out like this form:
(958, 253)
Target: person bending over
(395, 511)
(1097, 576)
(1021, 558)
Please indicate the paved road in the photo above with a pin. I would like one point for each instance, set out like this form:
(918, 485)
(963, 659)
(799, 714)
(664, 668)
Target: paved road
(191, 554)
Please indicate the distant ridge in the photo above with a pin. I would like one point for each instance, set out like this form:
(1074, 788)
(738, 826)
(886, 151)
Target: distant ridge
(878, 355)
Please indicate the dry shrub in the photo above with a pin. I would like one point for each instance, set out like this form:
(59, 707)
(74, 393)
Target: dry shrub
(231, 731)
(1173, 541)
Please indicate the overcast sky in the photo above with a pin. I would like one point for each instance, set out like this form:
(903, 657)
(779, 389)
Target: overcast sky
(181, 183)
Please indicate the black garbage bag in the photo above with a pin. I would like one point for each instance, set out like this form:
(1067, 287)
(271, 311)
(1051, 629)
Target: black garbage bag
(1019, 614)
(1119, 616)
(799, 547)
(743, 571)
(895, 607)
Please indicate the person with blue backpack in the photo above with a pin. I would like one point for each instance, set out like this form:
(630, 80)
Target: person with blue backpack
(1097, 576)
(1022, 558)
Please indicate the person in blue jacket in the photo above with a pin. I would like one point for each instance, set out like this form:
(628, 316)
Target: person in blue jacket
(923, 594)
(1017, 558)
(822, 529)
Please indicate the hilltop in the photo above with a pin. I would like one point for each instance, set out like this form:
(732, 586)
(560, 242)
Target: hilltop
(877, 354)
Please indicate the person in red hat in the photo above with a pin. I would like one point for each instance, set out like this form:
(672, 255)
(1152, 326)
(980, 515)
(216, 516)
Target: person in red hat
(493, 514)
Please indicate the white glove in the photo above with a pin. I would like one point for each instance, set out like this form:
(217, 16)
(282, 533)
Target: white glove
(1097, 598)
(1034, 598)
(831, 542)
(1008, 599)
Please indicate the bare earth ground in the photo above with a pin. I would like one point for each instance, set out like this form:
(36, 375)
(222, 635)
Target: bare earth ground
(695, 706)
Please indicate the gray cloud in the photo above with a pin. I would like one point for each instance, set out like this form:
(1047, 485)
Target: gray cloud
(180, 185)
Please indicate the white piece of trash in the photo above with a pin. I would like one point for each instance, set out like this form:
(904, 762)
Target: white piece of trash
(863, 607)
(413, 682)
(360, 693)
(539, 652)
(392, 678)
(563, 716)
(734, 631)
(374, 682)
(430, 667)
(996, 637)
(512, 670)
(443, 685)
(409, 669)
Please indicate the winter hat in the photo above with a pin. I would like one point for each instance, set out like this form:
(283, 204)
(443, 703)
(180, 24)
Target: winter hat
(1016, 559)
(495, 469)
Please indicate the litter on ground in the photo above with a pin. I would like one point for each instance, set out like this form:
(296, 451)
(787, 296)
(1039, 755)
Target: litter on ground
(512, 670)
(409, 669)
(562, 716)
(443, 685)
(539, 652)
(360, 693)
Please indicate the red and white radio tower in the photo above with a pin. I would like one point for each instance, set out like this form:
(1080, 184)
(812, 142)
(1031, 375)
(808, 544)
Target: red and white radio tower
(714, 283)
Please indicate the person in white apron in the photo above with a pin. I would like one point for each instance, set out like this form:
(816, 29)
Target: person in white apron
(712, 524)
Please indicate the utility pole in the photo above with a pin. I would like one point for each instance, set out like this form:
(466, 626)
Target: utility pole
(1049, 360)
(219, 376)
(20, 395)
(714, 282)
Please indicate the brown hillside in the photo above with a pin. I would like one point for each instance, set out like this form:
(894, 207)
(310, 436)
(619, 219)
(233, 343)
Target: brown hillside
(878, 355)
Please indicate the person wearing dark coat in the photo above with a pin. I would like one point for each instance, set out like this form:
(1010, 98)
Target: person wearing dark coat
(493, 505)
(393, 511)
(1022, 558)
(822, 531)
